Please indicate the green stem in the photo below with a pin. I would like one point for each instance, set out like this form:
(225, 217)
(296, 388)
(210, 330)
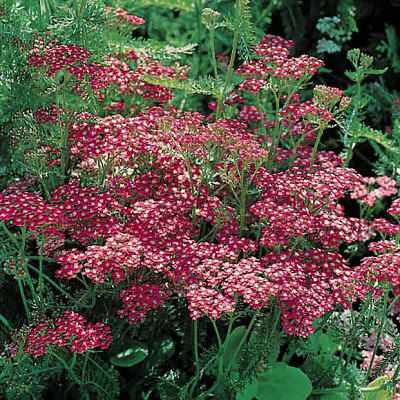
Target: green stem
(276, 131)
(229, 73)
(217, 332)
(60, 289)
(345, 346)
(352, 142)
(220, 347)
(5, 322)
(41, 279)
(10, 235)
(244, 338)
(395, 375)
(21, 290)
(69, 368)
(213, 56)
(263, 121)
(315, 148)
(243, 198)
(197, 5)
(330, 391)
(275, 317)
(380, 331)
(229, 366)
(196, 357)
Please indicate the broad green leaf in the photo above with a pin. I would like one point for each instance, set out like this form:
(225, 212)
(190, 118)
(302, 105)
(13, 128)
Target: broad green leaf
(163, 348)
(279, 382)
(315, 341)
(248, 392)
(327, 344)
(380, 394)
(232, 343)
(282, 382)
(132, 355)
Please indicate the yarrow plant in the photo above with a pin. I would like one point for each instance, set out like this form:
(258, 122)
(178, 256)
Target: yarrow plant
(155, 223)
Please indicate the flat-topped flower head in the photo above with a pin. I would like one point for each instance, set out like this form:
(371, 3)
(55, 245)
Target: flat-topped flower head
(123, 16)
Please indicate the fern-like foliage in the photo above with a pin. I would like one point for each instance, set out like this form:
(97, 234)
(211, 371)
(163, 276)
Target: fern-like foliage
(183, 5)
(242, 22)
(66, 26)
(391, 47)
(377, 137)
(156, 49)
(260, 352)
(388, 163)
(94, 370)
(203, 85)
(27, 379)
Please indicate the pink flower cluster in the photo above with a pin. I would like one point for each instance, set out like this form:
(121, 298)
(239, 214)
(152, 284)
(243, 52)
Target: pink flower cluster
(145, 219)
(326, 96)
(277, 41)
(310, 111)
(123, 16)
(382, 225)
(297, 203)
(142, 219)
(384, 246)
(386, 265)
(379, 269)
(70, 330)
(57, 57)
(26, 208)
(363, 192)
(54, 57)
(120, 254)
(128, 81)
(139, 299)
(395, 208)
(275, 62)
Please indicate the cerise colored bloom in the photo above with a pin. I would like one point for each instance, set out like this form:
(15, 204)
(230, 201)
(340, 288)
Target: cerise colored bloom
(70, 330)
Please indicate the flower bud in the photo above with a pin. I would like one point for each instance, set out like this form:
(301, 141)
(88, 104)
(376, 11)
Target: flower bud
(344, 103)
(209, 18)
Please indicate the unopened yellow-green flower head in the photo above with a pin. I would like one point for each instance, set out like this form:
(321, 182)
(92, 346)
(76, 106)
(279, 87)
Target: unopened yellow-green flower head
(210, 17)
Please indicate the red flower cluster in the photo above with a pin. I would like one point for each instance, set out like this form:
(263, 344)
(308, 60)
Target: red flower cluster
(277, 41)
(87, 210)
(395, 208)
(297, 203)
(384, 246)
(275, 62)
(382, 225)
(307, 285)
(57, 57)
(123, 16)
(309, 111)
(120, 255)
(379, 269)
(153, 190)
(26, 208)
(140, 299)
(129, 81)
(71, 330)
